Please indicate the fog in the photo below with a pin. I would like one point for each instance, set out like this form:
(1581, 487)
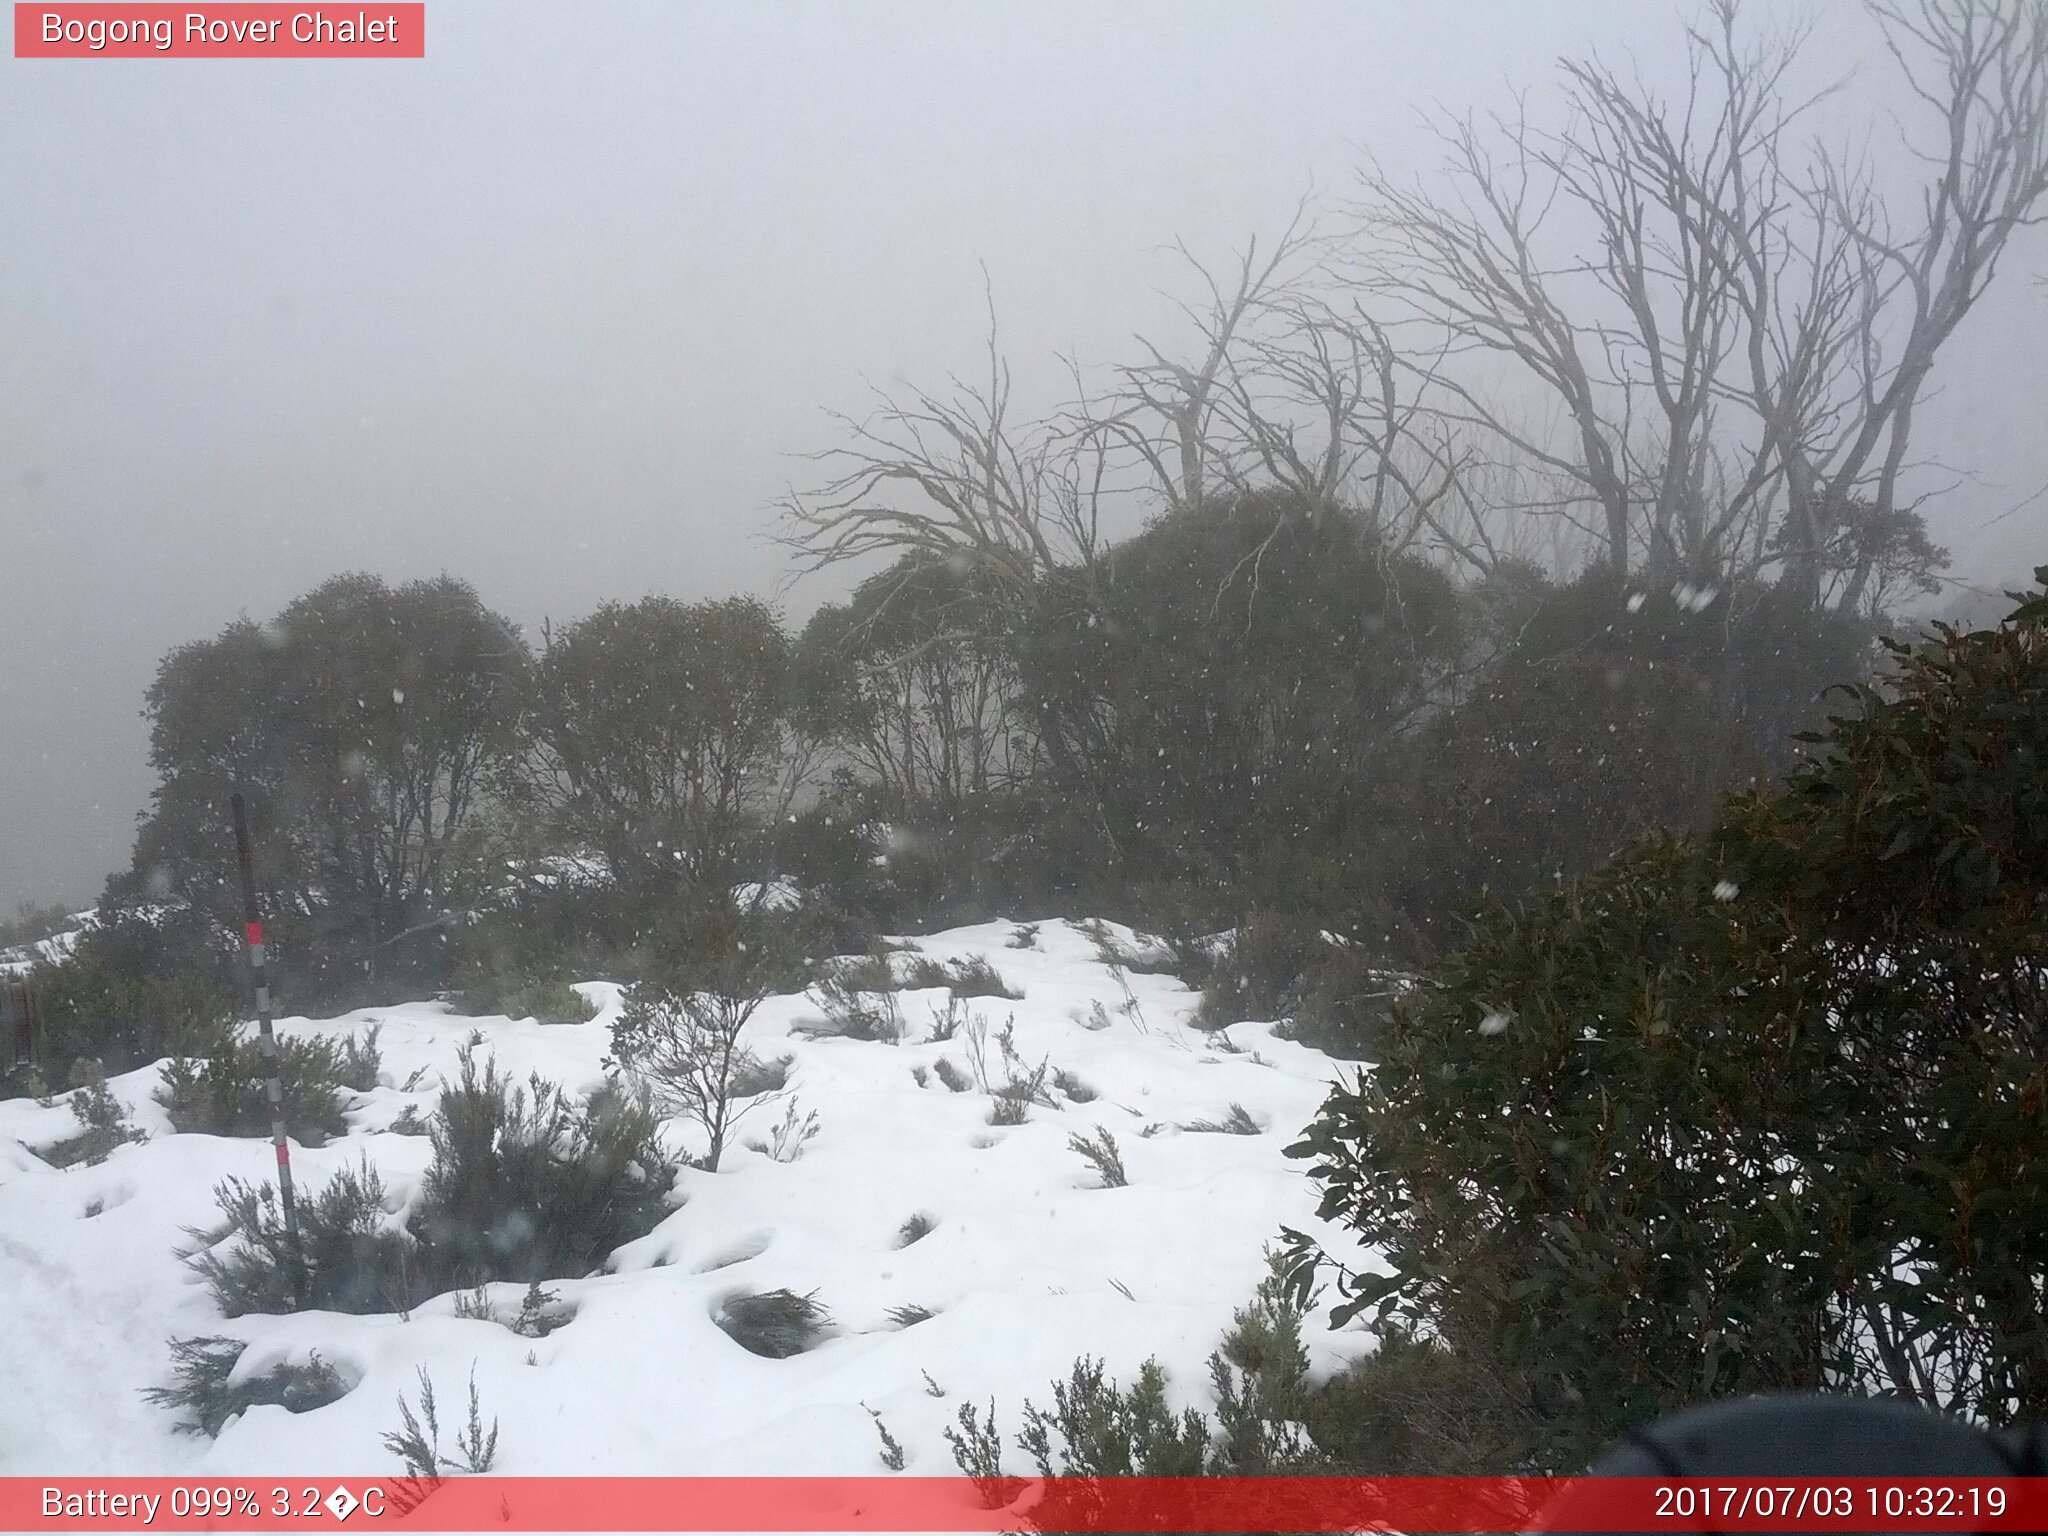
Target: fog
(556, 308)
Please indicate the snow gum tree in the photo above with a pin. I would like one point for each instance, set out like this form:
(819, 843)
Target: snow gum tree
(362, 724)
(663, 733)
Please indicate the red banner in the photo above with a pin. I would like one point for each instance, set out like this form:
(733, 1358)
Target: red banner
(1205, 1504)
(260, 31)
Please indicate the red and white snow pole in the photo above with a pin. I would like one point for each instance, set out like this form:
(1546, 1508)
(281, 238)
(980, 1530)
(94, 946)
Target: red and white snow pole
(273, 1089)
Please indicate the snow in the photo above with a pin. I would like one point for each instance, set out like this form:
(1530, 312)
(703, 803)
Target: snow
(1029, 1264)
(56, 947)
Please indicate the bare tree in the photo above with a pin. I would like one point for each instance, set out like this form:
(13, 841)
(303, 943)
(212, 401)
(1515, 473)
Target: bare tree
(686, 1046)
(1172, 415)
(937, 716)
(955, 478)
(1734, 345)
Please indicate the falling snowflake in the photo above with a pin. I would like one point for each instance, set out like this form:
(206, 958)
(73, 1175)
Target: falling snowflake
(1725, 890)
(1495, 1023)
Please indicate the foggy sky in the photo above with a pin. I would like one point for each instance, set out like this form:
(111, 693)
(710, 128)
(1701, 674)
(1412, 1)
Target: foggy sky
(553, 308)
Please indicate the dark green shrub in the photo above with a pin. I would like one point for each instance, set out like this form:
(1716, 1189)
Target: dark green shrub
(658, 734)
(972, 977)
(1412, 1408)
(418, 1443)
(352, 1255)
(103, 1123)
(526, 1185)
(1760, 1109)
(1264, 1400)
(1753, 654)
(202, 1392)
(914, 1229)
(684, 1044)
(362, 725)
(136, 988)
(548, 1000)
(1097, 1429)
(774, 1324)
(704, 942)
(856, 1014)
(32, 922)
(1238, 1122)
(522, 1187)
(1545, 772)
(1213, 690)
(516, 962)
(1260, 974)
(1072, 1088)
(1343, 1002)
(1103, 1155)
(1266, 1407)
(222, 1092)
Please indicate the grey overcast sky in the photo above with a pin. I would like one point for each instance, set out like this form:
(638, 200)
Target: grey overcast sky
(552, 308)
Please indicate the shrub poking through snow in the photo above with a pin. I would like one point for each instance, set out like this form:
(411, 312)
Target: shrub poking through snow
(774, 1324)
(1018, 1093)
(892, 1449)
(871, 972)
(787, 1142)
(686, 1047)
(530, 1186)
(1238, 1122)
(1101, 1150)
(546, 999)
(978, 1452)
(756, 1075)
(1019, 1087)
(946, 1022)
(355, 1259)
(1266, 1414)
(409, 1123)
(418, 1443)
(1071, 1088)
(1260, 1380)
(917, 1227)
(1149, 957)
(1095, 1429)
(540, 1313)
(203, 1391)
(946, 1072)
(220, 1091)
(971, 977)
(976, 977)
(103, 1123)
(911, 1315)
(523, 1186)
(860, 1014)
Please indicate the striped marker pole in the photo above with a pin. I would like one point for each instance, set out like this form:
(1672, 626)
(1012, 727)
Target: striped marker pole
(273, 1089)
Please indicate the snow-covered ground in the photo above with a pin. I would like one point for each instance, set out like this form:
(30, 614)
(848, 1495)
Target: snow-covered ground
(1030, 1262)
(25, 956)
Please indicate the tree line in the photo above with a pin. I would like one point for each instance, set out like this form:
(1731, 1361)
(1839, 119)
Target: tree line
(1301, 621)
(1719, 1064)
